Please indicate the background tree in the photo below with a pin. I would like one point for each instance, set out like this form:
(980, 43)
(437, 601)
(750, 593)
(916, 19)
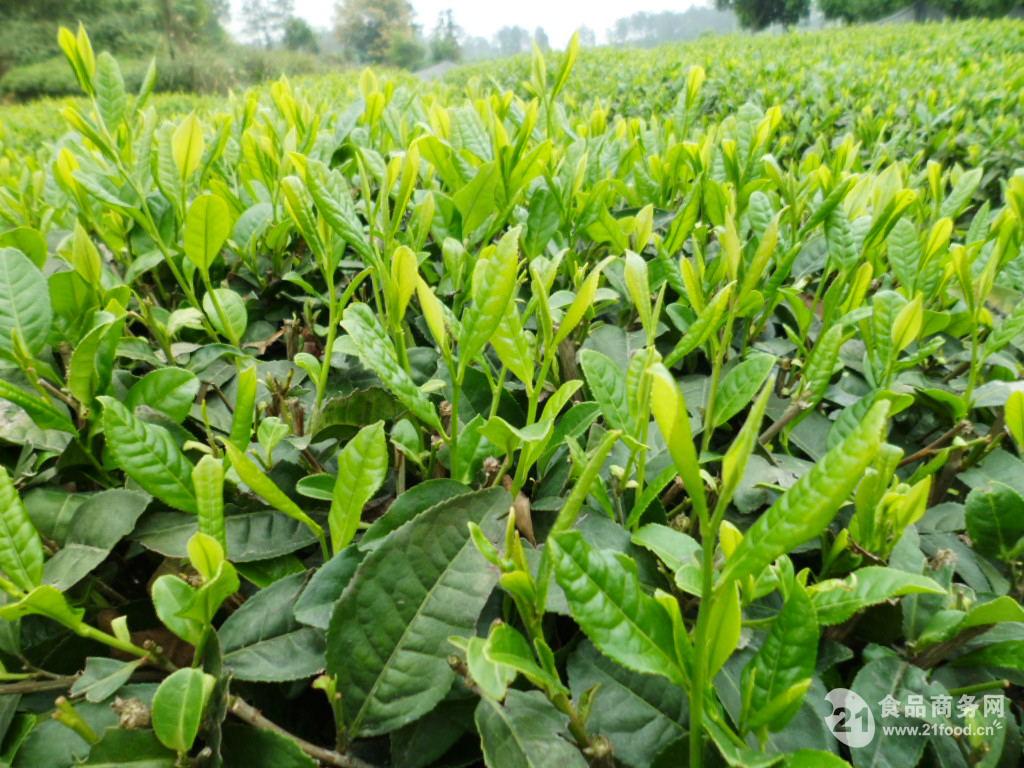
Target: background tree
(858, 10)
(540, 37)
(477, 49)
(962, 8)
(376, 31)
(299, 36)
(868, 10)
(512, 40)
(667, 26)
(407, 52)
(444, 40)
(758, 14)
(587, 37)
(189, 23)
(219, 16)
(131, 28)
(265, 20)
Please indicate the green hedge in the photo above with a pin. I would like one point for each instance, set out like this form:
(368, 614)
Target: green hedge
(201, 72)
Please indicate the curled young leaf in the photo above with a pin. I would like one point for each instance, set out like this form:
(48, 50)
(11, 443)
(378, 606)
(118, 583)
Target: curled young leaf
(669, 408)
(208, 482)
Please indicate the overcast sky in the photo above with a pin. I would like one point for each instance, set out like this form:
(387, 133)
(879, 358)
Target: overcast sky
(484, 17)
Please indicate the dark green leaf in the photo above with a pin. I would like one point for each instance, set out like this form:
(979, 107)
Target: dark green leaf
(251, 537)
(119, 748)
(103, 677)
(995, 519)
(525, 732)
(408, 505)
(263, 641)
(248, 747)
(387, 638)
(98, 525)
(640, 714)
(317, 600)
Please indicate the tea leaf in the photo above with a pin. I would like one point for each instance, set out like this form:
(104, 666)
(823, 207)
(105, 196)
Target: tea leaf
(1014, 414)
(208, 482)
(707, 323)
(605, 597)
(362, 467)
(995, 520)
(234, 320)
(377, 353)
(178, 706)
(148, 455)
(110, 93)
(739, 386)
(784, 660)
(640, 714)
(168, 390)
(525, 732)
(836, 600)
(267, 489)
(724, 623)
(187, 146)
(21, 551)
(607, 383)
(494, 282)
(806, 508)
(24, 303)
(207, 226)
(387, 639)
(669, 409)
(99, 523)
(43, 412)
(263, 641)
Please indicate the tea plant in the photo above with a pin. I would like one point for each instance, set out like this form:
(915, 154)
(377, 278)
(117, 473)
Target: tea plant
(452, 425)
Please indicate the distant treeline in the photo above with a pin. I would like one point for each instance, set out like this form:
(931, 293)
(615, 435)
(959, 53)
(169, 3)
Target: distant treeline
(655, 28)
(194, 52)
(871, 10)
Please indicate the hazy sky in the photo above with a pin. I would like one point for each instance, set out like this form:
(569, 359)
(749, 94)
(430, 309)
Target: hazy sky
(484, 17)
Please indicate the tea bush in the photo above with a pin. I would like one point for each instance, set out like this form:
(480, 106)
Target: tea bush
(522, 419)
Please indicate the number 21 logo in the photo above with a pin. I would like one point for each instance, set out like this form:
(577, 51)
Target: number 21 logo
(851, 721)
